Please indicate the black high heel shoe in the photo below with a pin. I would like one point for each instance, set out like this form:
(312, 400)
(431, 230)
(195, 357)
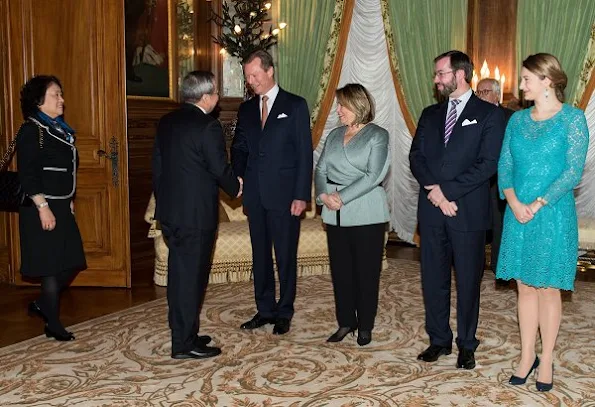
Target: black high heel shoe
(517, 381)
(541, 386)
(62, 337)
(364, 337)
(340, 334)
(34, 309)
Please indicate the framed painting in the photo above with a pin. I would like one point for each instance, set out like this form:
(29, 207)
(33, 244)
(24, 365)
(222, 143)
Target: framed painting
(150, 38)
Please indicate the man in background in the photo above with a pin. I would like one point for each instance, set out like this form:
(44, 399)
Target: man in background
(189, 164)
(488, 89)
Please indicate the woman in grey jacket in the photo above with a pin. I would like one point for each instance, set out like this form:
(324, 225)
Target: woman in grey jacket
(348, 181)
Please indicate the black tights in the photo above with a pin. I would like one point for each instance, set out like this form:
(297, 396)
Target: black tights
(49, 300)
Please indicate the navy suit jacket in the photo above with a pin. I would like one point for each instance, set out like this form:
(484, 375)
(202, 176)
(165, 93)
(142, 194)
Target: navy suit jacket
(463, 167)
(275, 162)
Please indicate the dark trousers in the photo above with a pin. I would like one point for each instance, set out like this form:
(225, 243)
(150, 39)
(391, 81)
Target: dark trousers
(355, 255)
(498, 208)
(440, 248)
(278, 229)
(189, 266)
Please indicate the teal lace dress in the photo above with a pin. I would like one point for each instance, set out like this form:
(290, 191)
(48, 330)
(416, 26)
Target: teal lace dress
(542, 158)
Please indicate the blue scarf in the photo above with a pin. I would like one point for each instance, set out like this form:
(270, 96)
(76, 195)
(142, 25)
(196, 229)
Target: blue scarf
(57, 124)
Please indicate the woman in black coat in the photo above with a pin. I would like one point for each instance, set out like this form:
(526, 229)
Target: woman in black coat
(51, 245)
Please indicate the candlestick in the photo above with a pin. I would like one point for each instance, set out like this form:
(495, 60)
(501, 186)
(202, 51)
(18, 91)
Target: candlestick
(484, 71)
(474, 81)
(502, 80)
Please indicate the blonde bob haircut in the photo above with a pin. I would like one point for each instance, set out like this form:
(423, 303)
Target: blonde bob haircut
(547, 66)
(357, 99)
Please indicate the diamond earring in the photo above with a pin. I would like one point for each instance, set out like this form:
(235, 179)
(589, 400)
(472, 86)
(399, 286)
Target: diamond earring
(547, 93)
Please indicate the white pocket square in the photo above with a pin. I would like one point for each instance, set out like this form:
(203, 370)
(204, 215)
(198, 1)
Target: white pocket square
(282, 116)
(466, 122)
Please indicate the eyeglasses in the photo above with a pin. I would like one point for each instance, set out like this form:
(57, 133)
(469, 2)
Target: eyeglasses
(440, 74)
(483, 92)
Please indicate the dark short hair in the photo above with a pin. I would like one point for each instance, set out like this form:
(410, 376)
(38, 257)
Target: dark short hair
(197, 84)
(356, 98)
(547, 66)
(33, 93)
(266, 60)
(458, 60)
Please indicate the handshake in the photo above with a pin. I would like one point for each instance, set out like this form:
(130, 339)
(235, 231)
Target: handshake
(241, 181)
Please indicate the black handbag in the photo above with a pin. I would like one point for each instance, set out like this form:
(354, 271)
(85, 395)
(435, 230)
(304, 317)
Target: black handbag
(12, 195)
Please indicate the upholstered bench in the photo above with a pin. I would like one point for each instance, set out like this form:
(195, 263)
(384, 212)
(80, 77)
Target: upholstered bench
(586, 233)
(586, 242)
(232, 257)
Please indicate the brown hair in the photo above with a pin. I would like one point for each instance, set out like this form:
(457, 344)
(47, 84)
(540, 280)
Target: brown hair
(266, 60)
(547, 66)
(357, 99)
(458, 60)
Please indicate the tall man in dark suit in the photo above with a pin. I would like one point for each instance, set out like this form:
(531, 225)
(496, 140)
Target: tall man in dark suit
(453, 155)
(272, 151)
(189, 163)
(488, 89)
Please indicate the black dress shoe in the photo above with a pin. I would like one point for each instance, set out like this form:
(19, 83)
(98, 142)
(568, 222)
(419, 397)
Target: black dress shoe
(256, 322)
(199, 352)
(500, 283)
(364, 337)
(541, 386)
(281, 326)
(59, 336)
(466, 359)
(433, 353)
(517, 381)
(34, 309)
(203, 339)
(340, 334)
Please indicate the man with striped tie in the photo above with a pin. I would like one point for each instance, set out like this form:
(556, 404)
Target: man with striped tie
(454, 153)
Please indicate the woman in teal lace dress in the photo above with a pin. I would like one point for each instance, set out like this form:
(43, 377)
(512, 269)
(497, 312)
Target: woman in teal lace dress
(541, 162)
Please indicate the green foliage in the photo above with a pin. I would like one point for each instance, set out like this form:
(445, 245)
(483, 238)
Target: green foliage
(185, 26)
(250, 16)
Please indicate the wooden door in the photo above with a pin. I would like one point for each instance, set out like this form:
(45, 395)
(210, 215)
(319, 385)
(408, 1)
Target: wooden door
(82, 43)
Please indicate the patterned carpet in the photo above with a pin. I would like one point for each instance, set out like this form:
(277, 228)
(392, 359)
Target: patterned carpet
(123, 359)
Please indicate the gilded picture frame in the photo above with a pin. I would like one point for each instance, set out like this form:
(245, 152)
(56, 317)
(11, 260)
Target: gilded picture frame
(150, 44)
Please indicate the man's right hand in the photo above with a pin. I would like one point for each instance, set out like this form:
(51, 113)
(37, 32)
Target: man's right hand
(449, 208)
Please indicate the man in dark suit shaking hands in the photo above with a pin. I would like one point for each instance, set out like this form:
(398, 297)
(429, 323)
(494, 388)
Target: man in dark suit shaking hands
(272, 152)
(189, 164)
(453, 155)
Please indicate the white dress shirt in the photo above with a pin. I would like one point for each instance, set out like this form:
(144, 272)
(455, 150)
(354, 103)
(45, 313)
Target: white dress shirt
(464, 98)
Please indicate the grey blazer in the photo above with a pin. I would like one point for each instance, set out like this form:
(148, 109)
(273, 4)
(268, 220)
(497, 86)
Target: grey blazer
(356, 170)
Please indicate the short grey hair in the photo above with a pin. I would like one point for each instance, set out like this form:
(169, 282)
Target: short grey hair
(197, 84)
(495, 84)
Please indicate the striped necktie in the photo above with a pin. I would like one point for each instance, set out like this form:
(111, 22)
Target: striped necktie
(451, 119)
